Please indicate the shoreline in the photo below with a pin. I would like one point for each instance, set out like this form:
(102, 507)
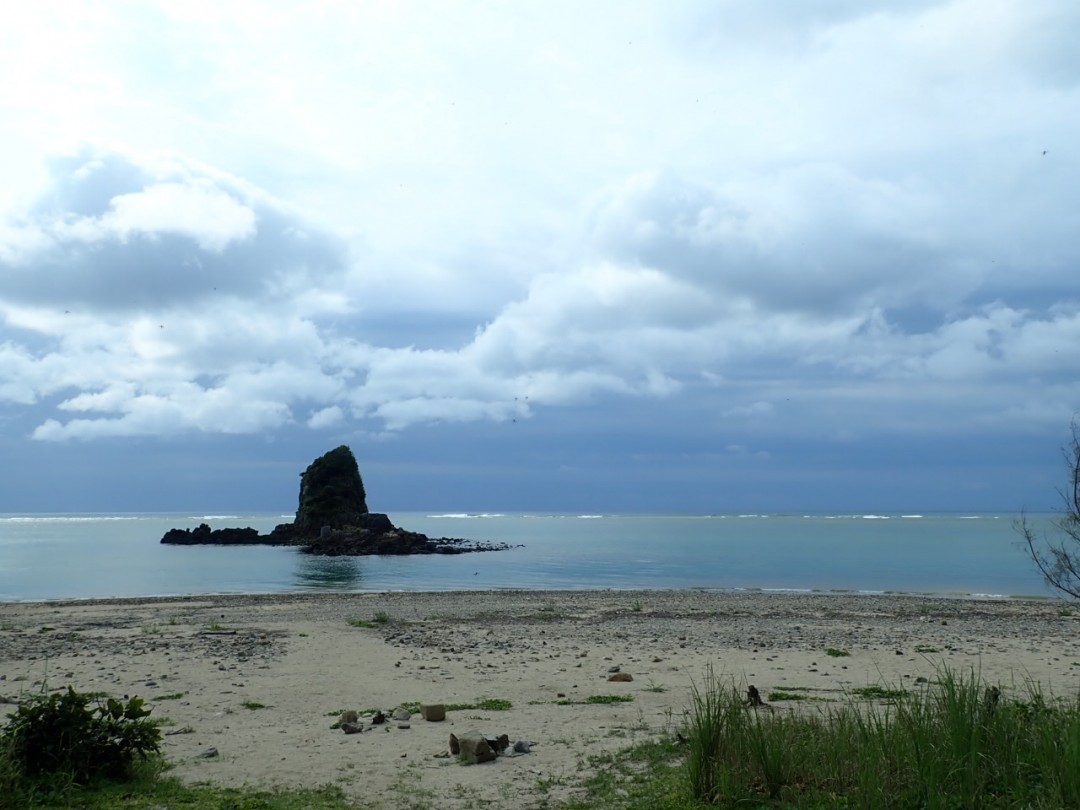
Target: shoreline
(1049, 597)
(204, 662)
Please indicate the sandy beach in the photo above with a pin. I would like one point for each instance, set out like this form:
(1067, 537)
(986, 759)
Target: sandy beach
(262, 679)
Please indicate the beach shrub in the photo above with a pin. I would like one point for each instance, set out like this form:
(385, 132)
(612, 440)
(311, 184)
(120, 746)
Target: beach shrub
(78, 736)
(1059, 560)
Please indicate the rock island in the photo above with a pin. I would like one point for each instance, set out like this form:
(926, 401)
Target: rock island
(333, 519)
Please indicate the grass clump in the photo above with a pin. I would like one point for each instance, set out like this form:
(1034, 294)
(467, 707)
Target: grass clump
(957, 744)
(549, 613)
(782, 695)
(878, 693)
(925, 648)
(596, 700)
(834, 652)
(482, 704)
(380, 618)
(253, 705)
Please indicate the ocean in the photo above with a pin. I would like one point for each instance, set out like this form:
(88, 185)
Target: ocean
(83, 556)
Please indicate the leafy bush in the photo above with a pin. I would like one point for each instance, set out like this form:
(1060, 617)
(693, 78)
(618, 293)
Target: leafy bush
(78, 735)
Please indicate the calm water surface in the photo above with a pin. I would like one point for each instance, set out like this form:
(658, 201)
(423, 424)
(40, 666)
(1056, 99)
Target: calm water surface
(85, 556)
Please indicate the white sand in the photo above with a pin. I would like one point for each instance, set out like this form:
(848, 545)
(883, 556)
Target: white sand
(299, 656)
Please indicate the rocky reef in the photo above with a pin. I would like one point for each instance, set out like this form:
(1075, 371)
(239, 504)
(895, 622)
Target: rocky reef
(332, 518)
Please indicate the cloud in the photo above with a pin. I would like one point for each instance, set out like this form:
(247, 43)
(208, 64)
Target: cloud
(683, 287)
(118, 233)
(714, 203)
(201, 212)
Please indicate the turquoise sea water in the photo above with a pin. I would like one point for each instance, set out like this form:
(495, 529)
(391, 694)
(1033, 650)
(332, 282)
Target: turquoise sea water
(87, 556)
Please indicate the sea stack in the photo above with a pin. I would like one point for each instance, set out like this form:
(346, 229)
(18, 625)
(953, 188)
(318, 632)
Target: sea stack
(331, 493)
(332, 518)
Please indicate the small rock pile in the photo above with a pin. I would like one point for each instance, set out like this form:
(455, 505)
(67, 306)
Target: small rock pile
(470, 747)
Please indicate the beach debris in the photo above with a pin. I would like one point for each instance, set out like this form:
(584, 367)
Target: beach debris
(621, 677)
(378, 718)
(613, 669)
(433, 712)
(181, 730)
(404, 726)
(352, 728)
(473, 748)
(209, 753)
(469, 749)
(401, 714)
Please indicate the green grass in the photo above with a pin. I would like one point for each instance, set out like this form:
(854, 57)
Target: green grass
(150, 791)
(878, 693)
(833, 652)
(596, 700)
(645, 776)
(781, 695)
(253, 705)
(378, 620)
(482, 704)
(549, 613)
(925, 648)
(953, 745)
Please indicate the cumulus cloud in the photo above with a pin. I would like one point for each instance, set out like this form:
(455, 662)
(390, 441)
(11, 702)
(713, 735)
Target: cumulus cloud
(868, 205)
(120, 233)
(683, 286)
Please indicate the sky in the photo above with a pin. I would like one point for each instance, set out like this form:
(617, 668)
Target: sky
(614, 256)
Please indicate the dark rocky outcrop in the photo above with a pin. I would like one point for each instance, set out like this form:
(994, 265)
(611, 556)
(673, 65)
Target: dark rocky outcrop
(204, 534)
(331, 493)
(332, 518)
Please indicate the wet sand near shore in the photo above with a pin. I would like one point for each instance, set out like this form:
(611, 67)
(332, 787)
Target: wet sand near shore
(261, 679)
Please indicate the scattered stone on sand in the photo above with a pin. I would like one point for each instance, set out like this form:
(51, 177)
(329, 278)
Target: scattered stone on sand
(433, 712)
(620, 677)
(473, 748)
